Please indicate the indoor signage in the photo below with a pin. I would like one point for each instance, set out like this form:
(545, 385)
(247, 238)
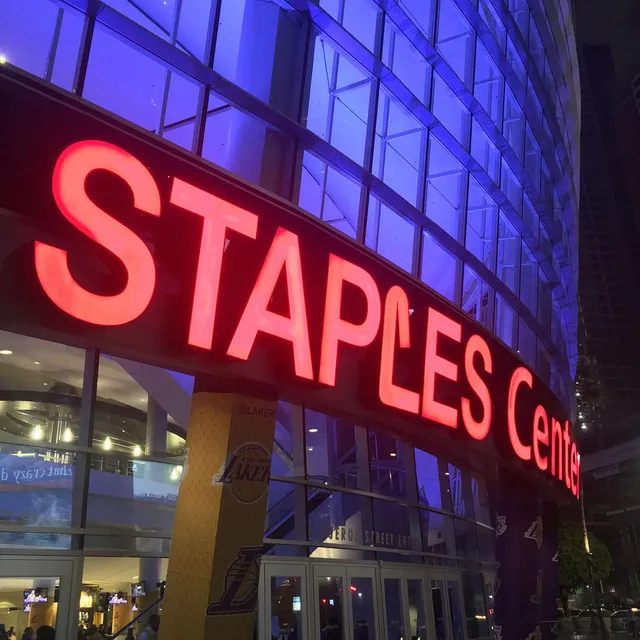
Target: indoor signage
(178, 264)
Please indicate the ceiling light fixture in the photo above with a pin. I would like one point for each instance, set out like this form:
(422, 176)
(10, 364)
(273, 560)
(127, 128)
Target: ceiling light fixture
(37, 433)
(67, 435)
(107, 444)
(393, 454)
(6, 352)
(137, 451)
(314, 430)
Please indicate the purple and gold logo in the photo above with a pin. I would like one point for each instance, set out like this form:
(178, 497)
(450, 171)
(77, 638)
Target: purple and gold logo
(246, 472)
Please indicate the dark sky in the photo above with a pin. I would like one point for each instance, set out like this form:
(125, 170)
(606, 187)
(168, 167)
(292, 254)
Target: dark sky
(616, 23)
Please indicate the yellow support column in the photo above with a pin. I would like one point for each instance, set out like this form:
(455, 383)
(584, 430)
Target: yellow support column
(214, 566)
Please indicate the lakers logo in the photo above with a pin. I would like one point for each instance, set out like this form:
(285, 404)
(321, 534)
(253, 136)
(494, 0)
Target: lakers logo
(240, 593)
(535, 532)
(501, 524)
(246, 472)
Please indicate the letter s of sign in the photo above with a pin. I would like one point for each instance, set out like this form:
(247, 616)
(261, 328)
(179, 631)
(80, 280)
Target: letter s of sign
(75, 163)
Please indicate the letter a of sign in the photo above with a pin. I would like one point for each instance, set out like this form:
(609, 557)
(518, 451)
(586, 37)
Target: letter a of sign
(240, 593)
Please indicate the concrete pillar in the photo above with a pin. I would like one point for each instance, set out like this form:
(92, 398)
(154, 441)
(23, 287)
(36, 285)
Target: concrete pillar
(214, 567)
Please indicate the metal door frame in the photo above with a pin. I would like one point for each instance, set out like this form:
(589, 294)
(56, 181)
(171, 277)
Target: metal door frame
(68, 570)
(403, 574)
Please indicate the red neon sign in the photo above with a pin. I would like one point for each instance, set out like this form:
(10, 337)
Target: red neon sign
(456, 391)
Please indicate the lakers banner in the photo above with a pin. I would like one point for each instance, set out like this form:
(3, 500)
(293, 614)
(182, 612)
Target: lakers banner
(217, 540)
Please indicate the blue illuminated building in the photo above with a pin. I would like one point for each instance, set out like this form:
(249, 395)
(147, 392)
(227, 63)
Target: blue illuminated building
(441, 134)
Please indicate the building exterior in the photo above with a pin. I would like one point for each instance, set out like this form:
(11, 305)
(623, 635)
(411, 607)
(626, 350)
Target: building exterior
(433, 148)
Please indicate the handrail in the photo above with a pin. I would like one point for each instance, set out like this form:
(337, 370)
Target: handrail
(136, 619)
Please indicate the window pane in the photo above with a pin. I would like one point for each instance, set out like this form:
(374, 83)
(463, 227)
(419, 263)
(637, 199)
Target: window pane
(508, 254)
(389, 234)
(513, 124)
(482, 216)
(476, 297)
(428, 479)
(422, 13)
(528, 279)
(439, 267)
(447, 181)
(446, 106)
(488, 84)
(474, 604)
(485, 152)
(331, 450)
(51, 374)
(505, 324)
(527, 344)
(455, 40)
(387, 465)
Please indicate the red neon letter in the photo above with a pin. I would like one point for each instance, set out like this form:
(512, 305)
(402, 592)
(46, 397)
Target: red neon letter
(556, 448)
(567, 442)
(335, 329)
(434, 364)
(520, 376)
(218, 216)
(396, 312)
(574, 469)
(69, 175)
(284, 252)
(540, 436)
(477, 430)
(577, 494)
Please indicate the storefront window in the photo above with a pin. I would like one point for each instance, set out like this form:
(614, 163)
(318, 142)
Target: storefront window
(330, 450)
(429, 492)
(388, 474)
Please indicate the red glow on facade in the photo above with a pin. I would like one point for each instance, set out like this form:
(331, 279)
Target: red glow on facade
(69, 176)
(284, 253)
(477, 429)
(437, 325)
(540, 436)
(396, 318)
(520, 376)
(531, 437)
(335, 329)
(217, 216)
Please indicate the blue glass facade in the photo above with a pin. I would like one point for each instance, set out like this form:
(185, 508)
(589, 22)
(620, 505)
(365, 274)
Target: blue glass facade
(441, 134)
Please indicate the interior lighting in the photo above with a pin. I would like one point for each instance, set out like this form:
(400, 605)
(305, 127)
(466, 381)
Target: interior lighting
(584, 427)
(107, 444)
(393, 454)
(67, 435)
(3, 59)
(6, 352)
(176, 472)
(314, 430)
(137, 451)
(37, 433)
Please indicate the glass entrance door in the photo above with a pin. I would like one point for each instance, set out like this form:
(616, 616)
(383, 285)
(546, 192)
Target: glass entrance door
(284, 612)
(346, 603)
(405, 605)
(447, 606)
(36, 593)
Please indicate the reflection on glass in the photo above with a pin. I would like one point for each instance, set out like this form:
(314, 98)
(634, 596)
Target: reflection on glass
(33, 602)
(330, 607)
(417, 621)
(393, 609)
(455, 610)
(286, 608)
(363, 609)
(437, 590)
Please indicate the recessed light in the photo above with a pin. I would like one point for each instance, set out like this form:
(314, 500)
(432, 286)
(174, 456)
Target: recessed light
(393, 454)
(46, 384)
(37, 433)
(107, 444)
(6, 352)
(67, 435)
(36, 362)
(313, 430)
(309, 448)
(137, 451)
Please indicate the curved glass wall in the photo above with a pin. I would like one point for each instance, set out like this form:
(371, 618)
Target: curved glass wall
(442, 134)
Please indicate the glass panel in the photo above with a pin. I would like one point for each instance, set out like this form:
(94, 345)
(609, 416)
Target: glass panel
(455, 39)
(475, 609)
(505, 323)
(392, 529)
(448, 108)
(393, 609)
(340, 520)
(508, 254)
(476, 297)
(388, 473)
(40, 389)
(37, 491)
(331, 450)
(282, 456)
(283, 516)
(106, 599)
(437, 592)
(485, 152)
(527, 344)
(482, 216)
(488, 84)
(417, 618)
(528, 279)
(363, 608)
(437, 533)
(28, 602)
(428, 479)
(390, 234)
(330, 593)
(287, 602)
(455, 610)
(513, 124)
(439, 267)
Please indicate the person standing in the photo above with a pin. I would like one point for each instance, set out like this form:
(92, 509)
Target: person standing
(12, 633)
(45, 632)
(29, 634)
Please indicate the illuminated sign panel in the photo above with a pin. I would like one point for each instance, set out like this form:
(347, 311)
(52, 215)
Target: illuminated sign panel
(139, 250)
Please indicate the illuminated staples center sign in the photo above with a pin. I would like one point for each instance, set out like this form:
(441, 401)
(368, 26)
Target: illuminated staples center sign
(143, 251)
